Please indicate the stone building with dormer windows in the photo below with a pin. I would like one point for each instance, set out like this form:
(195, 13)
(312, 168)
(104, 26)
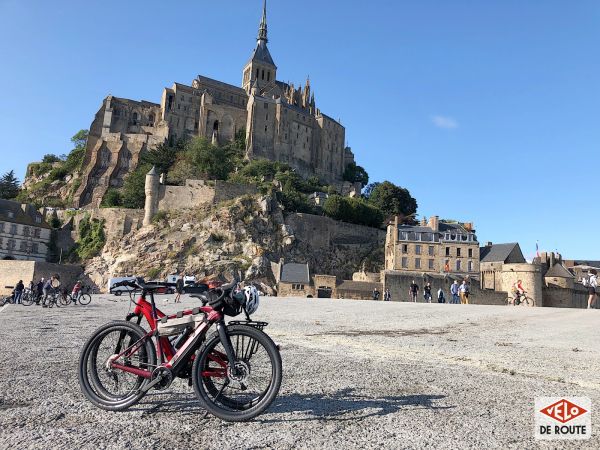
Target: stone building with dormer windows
(23, 232)
(433, 246)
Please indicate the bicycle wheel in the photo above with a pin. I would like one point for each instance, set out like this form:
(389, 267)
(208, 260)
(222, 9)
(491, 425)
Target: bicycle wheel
(84, 299)
(65, 299)
(108, 388)
(27, 299)
(240, 393)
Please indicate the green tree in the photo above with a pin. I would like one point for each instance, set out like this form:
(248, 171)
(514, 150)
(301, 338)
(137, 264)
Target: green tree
(353, 210)
(74, 159)
(112, 199)
(91, 237)
(214, 162)
(9, 185)
(50, 158)
(163, 156)
(391, 199)
(132, 193)
(356, 174)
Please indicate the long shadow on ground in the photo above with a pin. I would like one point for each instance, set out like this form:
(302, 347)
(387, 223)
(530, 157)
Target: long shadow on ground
(341, 405)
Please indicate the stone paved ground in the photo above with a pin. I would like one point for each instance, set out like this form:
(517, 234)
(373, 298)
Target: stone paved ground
(356, 375)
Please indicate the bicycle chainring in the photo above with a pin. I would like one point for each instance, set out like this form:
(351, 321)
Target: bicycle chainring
(166, 378)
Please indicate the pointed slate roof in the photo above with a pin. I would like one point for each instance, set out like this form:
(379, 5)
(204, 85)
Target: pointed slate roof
(559, 271)
(497, 252)
(261, 52)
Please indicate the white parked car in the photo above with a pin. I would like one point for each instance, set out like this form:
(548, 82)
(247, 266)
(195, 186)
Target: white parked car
(119, 290)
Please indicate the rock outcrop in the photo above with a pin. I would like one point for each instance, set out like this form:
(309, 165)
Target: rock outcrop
(245, 234)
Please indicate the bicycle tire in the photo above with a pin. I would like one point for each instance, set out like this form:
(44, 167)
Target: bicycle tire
(84, 299)
(27, 300)
(89, 381)
(65, 299)
(229, 409)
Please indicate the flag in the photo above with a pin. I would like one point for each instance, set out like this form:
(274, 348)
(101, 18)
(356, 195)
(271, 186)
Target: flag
(537, 250)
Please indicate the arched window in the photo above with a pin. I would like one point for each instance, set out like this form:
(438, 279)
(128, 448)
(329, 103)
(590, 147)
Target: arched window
(216, 125)
(269, 75)
(135, 118)
(257, 73)
(151, 119)
(263, 74)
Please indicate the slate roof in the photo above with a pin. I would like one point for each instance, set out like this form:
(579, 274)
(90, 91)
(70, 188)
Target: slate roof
(261, 53)
(231, 87)
(559, 271)
(295, 273)
(20, 216)
(496, 253)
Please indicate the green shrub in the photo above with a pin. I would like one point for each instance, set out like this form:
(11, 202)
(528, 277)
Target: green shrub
(58, 173)
(132, 193)
(112, 199)
(91, 237)
(160, 217)
(153, 273)
(50, 158)
(353, 210)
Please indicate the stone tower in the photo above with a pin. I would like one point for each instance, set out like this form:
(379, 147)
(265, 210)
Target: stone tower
(151, 190)
(260, 68)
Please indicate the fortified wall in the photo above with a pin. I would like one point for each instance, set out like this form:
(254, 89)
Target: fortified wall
(13, 271)
(398, 283)
(200, 192)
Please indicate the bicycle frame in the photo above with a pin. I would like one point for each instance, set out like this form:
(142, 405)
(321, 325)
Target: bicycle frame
(169, 357)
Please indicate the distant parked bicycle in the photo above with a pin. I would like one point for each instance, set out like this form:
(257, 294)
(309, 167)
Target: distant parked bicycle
(8, 299)
(29, 297)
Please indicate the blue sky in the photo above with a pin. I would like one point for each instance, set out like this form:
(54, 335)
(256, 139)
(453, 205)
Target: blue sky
(487, 111)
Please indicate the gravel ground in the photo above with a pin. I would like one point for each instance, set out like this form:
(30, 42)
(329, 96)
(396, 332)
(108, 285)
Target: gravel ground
(357, 374)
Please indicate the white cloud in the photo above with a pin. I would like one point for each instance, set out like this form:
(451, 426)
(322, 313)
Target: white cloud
(445, 122)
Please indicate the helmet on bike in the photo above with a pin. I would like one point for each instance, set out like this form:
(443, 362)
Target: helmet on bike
(251, 299)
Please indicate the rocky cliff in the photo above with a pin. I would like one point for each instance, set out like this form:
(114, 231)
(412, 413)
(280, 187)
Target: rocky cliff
(247, 234)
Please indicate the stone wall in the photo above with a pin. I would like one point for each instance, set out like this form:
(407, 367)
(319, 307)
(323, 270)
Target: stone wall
(13, 271)
(398, 283)
(557, 297)
(200, 192)
(529, 274)
(330, 247)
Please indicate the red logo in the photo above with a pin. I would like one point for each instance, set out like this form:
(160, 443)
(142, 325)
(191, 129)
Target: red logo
(563, 411)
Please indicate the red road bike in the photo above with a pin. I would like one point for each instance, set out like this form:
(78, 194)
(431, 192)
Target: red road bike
(236, 372)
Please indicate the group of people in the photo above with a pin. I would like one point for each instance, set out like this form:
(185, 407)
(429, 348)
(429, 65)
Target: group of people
(459, 293)
(42, 289)
(386, 295)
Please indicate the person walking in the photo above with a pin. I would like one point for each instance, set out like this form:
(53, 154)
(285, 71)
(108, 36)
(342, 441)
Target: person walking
(440, 296)
(591, 283)
(387, 296)
(413, 290)
(454, 292)
(375, 293)
(76, 291)
(39, 290)
(179, 289)
(19, 291)
(427, 292)
(462, 290)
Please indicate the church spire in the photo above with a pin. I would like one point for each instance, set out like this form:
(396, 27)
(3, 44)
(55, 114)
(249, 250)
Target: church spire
(262, 30)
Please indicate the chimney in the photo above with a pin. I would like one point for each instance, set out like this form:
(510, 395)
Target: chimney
(434, 223)
(424, 221)
(488, 244)
(468, 226)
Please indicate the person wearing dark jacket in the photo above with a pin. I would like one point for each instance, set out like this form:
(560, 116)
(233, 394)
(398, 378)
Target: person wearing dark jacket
(19, 291)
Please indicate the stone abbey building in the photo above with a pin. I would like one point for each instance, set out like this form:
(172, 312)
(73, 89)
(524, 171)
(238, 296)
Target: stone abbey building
(281, 122)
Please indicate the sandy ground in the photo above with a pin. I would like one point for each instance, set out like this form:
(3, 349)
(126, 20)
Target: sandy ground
(357, 374)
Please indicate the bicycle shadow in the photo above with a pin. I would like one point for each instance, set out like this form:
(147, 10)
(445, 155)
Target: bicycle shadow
(341, 405)
(345, 404)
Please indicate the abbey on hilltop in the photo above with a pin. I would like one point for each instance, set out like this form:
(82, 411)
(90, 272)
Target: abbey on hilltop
(281, 123)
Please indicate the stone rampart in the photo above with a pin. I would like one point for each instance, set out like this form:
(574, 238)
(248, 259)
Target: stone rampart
(13, 271)
(558, 297)
(399, 282)
(200, 192)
